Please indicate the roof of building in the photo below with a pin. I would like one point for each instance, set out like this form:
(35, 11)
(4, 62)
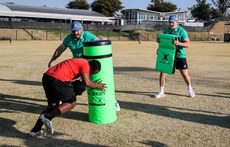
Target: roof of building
(48, 12)
(150, 11)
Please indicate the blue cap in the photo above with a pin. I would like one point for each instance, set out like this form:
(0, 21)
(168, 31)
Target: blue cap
(76, 26)
(172, 18)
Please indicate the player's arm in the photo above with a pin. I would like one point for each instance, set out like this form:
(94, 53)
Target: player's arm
(89, 83)
(56, 54)
(101, 38)
(185, 43)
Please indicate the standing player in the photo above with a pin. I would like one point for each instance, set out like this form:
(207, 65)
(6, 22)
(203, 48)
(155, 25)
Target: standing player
(58, 86)
(74, 42)
(181, 63)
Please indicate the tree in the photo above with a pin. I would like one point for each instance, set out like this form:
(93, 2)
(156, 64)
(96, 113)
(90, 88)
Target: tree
(215, 13)
(78, 4)
(201, 10)
(9, 3)
(161, 6)
(221, 5)
(107, 7)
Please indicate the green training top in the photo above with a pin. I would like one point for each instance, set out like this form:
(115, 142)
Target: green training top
(179, 31)
(76, 46)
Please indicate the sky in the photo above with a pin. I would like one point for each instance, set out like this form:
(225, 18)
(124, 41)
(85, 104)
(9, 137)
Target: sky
(128, 4)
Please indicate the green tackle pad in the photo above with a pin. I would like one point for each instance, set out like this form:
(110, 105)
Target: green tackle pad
(166, 57)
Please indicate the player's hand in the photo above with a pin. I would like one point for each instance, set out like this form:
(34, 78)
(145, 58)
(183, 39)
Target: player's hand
(176, 42)
(50, 64)
(101, 38)
(158, 40)
(102, 86)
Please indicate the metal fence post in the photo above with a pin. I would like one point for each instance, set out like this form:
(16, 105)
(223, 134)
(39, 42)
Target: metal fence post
(119, 35)
(16, 34)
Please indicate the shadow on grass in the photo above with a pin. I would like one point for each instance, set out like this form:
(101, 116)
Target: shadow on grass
(135, 69)
(154, 144)
(186, 116)
(224, 93)
(14, 104)
(23, 82)
(150, 94)
(165, 110)
(9, 131)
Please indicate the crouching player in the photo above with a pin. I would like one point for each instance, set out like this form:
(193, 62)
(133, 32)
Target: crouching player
(58, 87)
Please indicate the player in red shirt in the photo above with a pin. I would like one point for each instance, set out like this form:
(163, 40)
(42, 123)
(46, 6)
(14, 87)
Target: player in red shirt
(58, 85)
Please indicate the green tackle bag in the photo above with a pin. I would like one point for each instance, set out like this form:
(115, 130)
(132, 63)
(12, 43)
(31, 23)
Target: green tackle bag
(166, 57)
(102, 109)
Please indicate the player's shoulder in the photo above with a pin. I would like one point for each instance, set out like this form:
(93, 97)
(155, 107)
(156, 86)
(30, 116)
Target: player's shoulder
(88, 36)
(167, 29)
(181, 29)
(86, 33)
(68, 37)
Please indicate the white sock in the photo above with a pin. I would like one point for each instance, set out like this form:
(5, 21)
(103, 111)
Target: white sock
(189, 87)
(162, 89)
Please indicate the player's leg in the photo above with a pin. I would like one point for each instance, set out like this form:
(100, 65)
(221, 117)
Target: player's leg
(183, 68)
(66, 107)
(50, 87)
(37, 129)
(161, 94)
(186, 77)
(63, 92)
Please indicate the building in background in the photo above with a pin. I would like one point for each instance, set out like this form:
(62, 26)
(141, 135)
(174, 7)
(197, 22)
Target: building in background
(26, 13)
(140, 16)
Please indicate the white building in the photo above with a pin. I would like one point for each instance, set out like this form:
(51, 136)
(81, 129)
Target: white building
(14, 12)
(140, 16)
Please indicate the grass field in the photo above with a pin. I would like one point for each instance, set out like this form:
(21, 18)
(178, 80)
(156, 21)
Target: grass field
(176, 120)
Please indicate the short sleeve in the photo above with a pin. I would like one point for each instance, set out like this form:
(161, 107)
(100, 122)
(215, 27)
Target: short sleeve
(85, 68)
(65, 41)
(184, 35)
(166, 31)
(89, 37)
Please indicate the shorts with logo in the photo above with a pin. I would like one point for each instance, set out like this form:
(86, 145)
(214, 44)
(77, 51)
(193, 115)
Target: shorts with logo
(57, 90)
(181, 63)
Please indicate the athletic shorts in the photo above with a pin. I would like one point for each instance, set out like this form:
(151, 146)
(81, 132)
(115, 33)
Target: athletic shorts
(57, 90)
(181, 63)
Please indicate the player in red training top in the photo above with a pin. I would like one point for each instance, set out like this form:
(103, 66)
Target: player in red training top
(58, 86)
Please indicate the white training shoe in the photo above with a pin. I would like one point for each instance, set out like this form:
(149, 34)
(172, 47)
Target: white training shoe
(47, 123)
(191, 93)
(42, 132)
(160, 95)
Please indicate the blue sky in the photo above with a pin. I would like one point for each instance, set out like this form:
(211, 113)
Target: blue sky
(182, 4)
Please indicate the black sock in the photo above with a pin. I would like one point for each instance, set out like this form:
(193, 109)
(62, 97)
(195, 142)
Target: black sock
(37, 126)
(55, 112)
(39, 123)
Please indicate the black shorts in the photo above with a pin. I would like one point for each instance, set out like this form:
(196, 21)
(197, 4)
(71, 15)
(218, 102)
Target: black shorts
(57, 90)
(181, 63)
